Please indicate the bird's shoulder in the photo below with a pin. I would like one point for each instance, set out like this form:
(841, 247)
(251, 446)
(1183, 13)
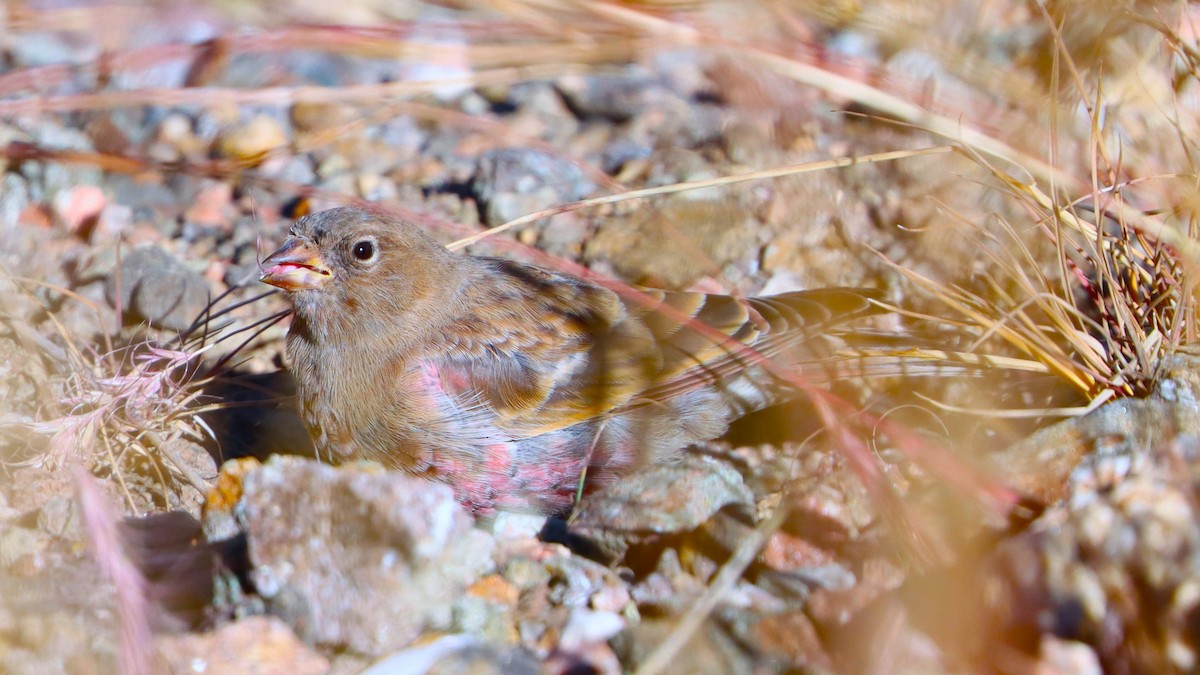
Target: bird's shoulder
(520, 337)
(516, 308)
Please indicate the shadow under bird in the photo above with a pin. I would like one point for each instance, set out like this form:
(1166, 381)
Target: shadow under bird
(512, 383)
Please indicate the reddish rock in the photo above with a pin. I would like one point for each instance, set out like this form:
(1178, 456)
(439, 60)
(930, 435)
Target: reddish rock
(787, 553)
(258, 645)
(79, 207)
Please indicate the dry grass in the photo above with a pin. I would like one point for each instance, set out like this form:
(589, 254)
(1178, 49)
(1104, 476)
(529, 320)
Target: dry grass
(1119, 292)
(134, 413)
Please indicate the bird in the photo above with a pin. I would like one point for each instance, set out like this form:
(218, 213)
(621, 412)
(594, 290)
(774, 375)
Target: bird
(519, 386)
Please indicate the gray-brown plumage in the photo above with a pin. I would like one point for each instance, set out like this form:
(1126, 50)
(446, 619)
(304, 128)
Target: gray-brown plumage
(507, 380)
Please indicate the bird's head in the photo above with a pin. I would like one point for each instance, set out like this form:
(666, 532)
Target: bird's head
(348, 265)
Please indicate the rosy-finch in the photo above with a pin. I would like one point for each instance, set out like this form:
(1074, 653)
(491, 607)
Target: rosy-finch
(510, 382)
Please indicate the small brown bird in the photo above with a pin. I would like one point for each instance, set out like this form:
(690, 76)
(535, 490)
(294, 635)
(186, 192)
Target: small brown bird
(510, 382)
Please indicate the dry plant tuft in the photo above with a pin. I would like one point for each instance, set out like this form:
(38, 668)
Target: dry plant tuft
(135, 410)
(1119, 292)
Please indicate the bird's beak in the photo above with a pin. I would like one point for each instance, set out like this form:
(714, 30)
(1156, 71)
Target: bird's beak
(296, 267)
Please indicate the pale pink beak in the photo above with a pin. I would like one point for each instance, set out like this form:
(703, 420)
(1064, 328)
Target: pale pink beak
(296, 266)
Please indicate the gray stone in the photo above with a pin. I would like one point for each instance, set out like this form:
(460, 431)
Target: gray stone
(155, 287)
(618, 98)
(512, 182)
(679, 241)
(17, 543)
(357, 557)
(57, 516)
(14, 199)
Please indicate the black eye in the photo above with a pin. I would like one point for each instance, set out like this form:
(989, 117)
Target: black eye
(364, 250)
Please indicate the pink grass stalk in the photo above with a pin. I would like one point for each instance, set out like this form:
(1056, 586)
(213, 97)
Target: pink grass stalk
(109, 552)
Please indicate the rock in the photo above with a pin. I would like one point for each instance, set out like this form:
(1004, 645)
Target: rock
(682, 70)
(56, 642)
(668, 590)
(153, 202)
(78, 208)
(14, 199)
(621, 151)
(155, 287)
(710, 650)
(57, 515)
(513, 182)
(676, 242)
(211, 208)
(788, 641)
(334, 165)
(835, 604)
(175, 133)
(1067, 656)
(17, 543)
(670, 121)
(1039, 465)
(1114, 566)
(617, 98)
(787, 553)
(403, 134)
(257, 645)
(220, 514)
(588, 626)
(251, 140)
(659, 499)
(486, 660)
(575, 581)
(457, 654)
(487, 610)
(375, 188)
(540, 112)
(21, 371)
(584, 644)
(525, 574)
(1179, 382)
(297, 169)
(315, 117)
(46, 179)
(509, 526)
(405, 543)
(112, 222)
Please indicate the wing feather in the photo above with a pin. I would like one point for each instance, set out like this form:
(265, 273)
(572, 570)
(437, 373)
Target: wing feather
(597, 353)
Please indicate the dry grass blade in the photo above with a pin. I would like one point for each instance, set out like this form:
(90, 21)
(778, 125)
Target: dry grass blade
(132, 606)
(808, 167)
(1123, 299)
(733, 569)
(1022, 413)
(893, 105)
(1012, 325)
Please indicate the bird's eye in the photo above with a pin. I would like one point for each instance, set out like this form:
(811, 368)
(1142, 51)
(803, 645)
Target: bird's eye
(364, 250)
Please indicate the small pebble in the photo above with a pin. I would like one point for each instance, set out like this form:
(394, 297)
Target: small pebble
(79, 208)
(253, 139)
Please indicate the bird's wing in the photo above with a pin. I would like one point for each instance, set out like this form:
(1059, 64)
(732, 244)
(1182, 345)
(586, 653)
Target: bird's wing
(741, 333)
(593, 352)
(540, 351)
